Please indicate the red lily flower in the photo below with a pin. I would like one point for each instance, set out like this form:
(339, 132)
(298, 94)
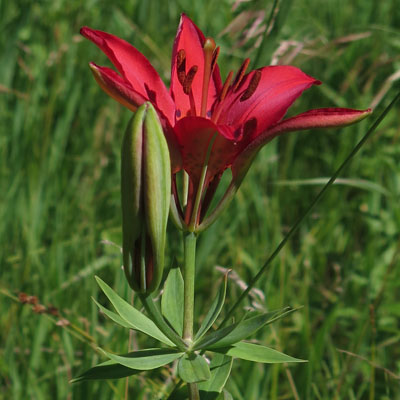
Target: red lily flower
(210, 125)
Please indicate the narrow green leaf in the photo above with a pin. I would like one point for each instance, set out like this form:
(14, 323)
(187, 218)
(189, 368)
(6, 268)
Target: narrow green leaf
(214, 311)
(145, 359)
(193, 368)
(256, 353)
(133, 317)
(241, 330)
(358, 183)
(113, 316)
(172, 300)
(106, 370)
(220, 368)
(214, 337)
(250, 326)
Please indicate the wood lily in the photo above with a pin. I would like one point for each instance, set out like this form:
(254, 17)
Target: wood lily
(210, 125)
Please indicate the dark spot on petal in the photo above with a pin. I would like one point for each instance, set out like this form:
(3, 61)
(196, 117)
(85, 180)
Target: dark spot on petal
(249, 128)
(151, 94)
(237, 134)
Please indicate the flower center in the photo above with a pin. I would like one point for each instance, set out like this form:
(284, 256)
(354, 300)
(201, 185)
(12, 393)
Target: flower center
(233, 88)
(211, 53)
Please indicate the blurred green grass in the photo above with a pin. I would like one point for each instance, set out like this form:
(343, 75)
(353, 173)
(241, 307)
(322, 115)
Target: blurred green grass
(59, 183)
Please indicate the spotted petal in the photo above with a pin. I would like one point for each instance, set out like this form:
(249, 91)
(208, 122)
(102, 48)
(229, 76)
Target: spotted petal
(191, 39)
(264, 96)
(318, 118)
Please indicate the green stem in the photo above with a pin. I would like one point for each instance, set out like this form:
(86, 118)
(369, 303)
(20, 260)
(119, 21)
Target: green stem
(188, 279)
(193, 391)
(189, 267)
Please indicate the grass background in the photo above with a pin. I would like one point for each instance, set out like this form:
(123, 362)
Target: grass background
(60, 138)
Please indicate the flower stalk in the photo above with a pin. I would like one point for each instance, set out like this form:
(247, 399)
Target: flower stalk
(189, 272)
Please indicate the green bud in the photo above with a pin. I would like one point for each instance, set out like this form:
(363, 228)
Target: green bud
(145, 192)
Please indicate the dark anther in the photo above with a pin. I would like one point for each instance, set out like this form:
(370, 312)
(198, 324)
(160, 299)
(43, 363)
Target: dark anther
(255, 80)
(187, 84)
(181, 66)
(240, 74)
(214, 58)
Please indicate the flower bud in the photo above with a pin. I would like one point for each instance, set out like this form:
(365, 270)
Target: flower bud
(145, 192)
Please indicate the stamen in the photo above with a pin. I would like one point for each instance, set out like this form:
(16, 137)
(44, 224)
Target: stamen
(214, 58)
(225, 88)
(187, 83)
(192, 104)
(181, 66)
(255, 80)
(240, 74)
(209, 47)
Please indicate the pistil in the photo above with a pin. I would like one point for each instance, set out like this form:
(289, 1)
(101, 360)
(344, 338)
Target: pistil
(209, 47)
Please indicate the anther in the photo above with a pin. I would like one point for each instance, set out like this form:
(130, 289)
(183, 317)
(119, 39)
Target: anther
(187, 83)
(240, 74)
(255, 80)
(181, 66)
(214, 58)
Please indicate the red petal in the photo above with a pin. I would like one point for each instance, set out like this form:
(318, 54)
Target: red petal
(318, 118)
(135, 68)
(117, 87)
(191, 39)
(278, 87)
(194, 135)
(121, 90)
